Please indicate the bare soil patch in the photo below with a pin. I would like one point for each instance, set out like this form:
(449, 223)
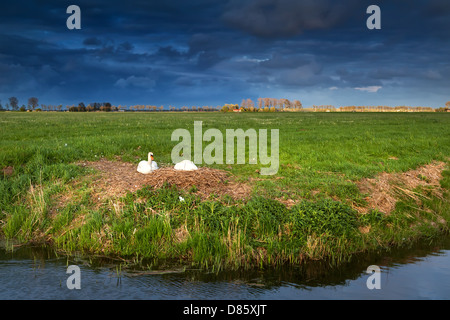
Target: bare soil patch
(116, 178)
(383, 190)
(8, 171)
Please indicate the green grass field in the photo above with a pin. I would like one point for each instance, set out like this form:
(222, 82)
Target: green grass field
(322, 156)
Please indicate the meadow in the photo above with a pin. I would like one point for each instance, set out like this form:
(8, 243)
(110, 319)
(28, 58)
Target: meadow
(308, 210)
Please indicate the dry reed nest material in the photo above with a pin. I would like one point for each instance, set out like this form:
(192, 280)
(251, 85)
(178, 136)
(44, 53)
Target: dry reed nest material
(116, 178)
(384, 190)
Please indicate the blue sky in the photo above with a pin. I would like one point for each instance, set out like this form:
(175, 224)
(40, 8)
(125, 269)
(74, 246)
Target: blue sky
(204, 52)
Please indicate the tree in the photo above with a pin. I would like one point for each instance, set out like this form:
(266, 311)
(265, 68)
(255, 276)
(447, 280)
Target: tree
(33, 102)
(244, 104)
(250, 104)
(81, 107)
(95, 105)
(297, 104)
(442, 109)
(14, 103)
(106, 107)
(260, 103)
(287, 104)
(280, 104)
(273, 102)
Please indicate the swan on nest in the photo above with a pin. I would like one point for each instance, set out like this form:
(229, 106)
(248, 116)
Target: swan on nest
(185, 165)
(149, 166)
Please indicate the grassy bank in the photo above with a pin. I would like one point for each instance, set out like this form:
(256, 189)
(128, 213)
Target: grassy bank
(46, 197)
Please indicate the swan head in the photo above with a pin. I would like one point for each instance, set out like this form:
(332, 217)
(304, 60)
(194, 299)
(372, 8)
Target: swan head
(150, 156)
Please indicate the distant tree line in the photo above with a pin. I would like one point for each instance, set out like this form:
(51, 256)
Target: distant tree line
(247, 105)
(445, 109)
(384, 109)
(135, 108)
(13, 104)
(264, 105)
(92, 107)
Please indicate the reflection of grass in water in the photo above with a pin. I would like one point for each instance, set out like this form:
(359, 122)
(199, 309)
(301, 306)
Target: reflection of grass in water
(303, 276)
(321, 157)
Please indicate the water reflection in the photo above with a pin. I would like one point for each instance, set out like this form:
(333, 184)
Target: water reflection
(419, 272)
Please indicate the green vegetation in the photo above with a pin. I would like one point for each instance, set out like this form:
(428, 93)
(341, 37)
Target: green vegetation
(322, 156)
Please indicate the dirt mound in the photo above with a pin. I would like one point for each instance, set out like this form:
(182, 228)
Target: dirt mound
(384, 190)
(116, 178)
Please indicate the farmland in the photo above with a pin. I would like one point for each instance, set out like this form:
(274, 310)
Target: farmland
(53, 192)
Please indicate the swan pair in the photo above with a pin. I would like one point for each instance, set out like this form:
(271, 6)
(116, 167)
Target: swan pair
(150, 165)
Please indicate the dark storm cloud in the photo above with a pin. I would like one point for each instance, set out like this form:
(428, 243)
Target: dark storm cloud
(92, 41)
(221, 51)
(275, 18)
(208, 59)
(201, 42)
(26, 51)
(169, 52)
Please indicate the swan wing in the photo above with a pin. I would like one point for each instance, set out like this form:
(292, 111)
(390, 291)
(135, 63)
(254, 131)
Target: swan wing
(185, 165)
(144, 167)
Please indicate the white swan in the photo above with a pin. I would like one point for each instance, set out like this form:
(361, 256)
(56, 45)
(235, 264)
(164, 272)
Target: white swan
(185, 165)
(146, 167)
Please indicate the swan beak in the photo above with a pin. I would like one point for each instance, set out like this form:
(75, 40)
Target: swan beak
(151, 157)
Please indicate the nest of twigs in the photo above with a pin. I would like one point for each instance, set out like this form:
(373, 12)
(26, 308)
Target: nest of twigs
(385, 189)
(116, 178)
